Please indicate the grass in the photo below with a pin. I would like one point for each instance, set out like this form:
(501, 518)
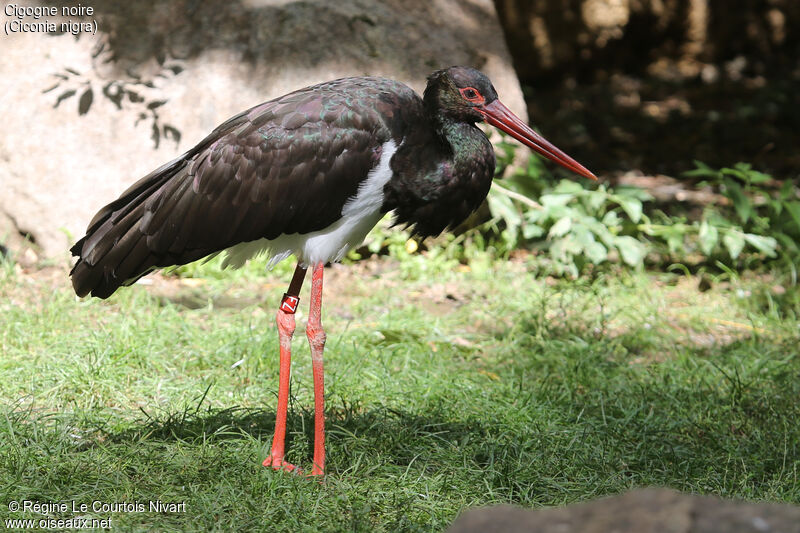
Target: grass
(446, 390)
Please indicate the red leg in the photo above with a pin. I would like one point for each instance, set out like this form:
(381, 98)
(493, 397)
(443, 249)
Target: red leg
(286, 325)
(316, 339)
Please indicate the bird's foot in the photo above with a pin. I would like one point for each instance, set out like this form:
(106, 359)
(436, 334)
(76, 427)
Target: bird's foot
(277, 463)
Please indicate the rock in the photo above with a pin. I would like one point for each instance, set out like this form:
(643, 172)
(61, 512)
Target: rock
(638, 511)
(90, 114)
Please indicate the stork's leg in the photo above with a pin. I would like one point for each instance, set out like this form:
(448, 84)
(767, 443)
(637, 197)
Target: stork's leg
(285, 320)
(316, 339)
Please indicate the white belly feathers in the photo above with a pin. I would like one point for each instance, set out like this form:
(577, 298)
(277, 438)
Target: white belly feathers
(359, 214)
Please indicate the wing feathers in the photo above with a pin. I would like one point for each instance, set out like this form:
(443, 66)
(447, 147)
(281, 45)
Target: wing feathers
(284, 167)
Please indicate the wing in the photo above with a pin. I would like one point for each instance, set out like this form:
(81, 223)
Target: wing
(286, 166)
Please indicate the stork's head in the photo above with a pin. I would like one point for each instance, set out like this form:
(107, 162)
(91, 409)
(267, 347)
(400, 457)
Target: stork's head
(467, 95)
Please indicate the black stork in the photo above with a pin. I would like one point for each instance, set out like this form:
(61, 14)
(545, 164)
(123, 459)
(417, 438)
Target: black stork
(309, 174)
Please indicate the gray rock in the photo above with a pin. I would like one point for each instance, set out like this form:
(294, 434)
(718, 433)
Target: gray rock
(160, 74)
(638, 511)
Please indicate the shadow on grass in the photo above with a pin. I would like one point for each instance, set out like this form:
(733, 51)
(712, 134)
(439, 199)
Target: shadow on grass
(385, 428)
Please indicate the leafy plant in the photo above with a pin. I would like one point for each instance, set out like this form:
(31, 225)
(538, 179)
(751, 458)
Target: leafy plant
(578, 224)
(574, 222)
(711, 236)
(767, 212)
(398, 243)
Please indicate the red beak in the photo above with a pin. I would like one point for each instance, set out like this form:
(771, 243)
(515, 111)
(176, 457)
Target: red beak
(502, 118)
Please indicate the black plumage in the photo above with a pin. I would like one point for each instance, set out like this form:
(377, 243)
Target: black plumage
(289, 166)
(286, 166)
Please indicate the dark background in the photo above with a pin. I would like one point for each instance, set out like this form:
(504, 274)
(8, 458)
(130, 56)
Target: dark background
(652, 85)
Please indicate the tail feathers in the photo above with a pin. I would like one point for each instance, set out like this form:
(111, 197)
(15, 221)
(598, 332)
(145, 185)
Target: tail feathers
(110, 256)
(114, 252)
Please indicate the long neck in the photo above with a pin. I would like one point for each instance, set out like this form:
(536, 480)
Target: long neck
(465, 140)
(441, 174)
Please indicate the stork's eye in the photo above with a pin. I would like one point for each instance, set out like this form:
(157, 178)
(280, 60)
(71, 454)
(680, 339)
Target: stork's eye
(472, 94)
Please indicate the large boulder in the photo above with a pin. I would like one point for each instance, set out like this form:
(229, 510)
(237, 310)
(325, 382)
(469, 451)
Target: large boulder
(89, 113)
(638, 511)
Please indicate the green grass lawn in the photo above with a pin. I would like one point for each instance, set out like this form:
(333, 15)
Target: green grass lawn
(445, 389)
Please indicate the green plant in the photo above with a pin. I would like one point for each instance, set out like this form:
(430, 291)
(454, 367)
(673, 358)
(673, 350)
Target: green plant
(709, 236)
(763, 214)
(578, 224)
